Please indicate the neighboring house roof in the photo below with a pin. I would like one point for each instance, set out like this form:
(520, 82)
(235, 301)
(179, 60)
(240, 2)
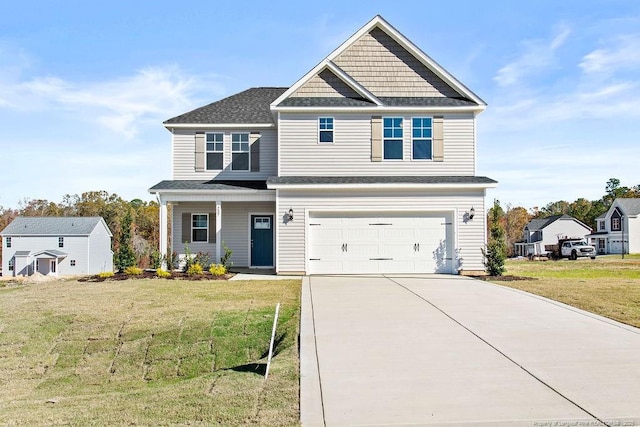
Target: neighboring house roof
(250, 106)
(629, 206)
(52, 253)
(217, 185)
(368, 180)
(540, 223)
(58, 226)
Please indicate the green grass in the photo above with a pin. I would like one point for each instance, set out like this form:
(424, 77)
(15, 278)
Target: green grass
(608, 285)
(148, 352)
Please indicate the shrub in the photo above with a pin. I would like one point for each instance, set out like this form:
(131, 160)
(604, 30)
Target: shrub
(105, 274)
(133, 271)
(217, 270)
(202, 258)
(162, 273)
(195, 270)
(155, 260)
(171, 260)
(225, 259)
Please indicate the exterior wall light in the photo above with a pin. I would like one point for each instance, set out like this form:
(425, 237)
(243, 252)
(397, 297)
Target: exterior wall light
(290, 214)
(472, 213)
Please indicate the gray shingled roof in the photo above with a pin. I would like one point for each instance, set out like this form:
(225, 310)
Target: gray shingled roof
(249, 106)
(208, 185)
(58, 226)
(629, 206)
(311, 180)
(540, 223)
(330, 101)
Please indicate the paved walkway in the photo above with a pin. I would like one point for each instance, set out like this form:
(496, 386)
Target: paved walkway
(457, 351)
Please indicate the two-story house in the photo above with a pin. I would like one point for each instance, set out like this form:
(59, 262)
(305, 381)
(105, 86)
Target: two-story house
(618, 229)
(366, 164)
(540, 232)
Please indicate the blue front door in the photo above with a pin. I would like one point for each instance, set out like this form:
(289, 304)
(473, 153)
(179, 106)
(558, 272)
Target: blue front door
(261, 240)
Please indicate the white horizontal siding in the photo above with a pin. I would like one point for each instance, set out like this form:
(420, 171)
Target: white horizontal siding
(350, 154)
(469, 238)
(184, 147)
(235, 228)
(76, 248)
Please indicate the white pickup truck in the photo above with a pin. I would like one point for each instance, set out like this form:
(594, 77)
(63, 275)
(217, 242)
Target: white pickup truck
(570, 248)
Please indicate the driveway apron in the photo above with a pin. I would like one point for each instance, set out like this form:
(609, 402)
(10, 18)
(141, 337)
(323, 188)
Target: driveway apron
(453, 350)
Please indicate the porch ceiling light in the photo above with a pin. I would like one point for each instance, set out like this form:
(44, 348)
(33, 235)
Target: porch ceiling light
(290, 214)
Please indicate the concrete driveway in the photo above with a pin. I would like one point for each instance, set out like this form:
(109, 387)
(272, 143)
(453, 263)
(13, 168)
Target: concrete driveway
(457, 351)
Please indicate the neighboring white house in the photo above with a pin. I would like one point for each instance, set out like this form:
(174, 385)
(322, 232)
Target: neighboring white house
(547, 231)
(618, 229)
(56, 246)
(367, 164)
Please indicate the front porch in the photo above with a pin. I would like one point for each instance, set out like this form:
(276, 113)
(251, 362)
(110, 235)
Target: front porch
(209, 217)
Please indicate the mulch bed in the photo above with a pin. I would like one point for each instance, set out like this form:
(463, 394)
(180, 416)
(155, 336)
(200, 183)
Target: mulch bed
(176, 275)
(503, 278)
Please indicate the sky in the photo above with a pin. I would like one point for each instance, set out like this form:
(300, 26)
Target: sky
(85, 86)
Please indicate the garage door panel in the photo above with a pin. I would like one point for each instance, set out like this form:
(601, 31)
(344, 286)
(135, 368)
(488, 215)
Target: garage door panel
(380, 243)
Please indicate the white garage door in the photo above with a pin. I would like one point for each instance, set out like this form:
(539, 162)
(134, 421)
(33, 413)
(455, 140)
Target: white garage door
(359, 243)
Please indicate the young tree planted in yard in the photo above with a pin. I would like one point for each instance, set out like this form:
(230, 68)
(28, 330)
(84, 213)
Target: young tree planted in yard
(125, 257)
(496, 252)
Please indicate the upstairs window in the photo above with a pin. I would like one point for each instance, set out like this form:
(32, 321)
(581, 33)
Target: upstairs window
(215, 150)
(61, 242)
(199, 227)
(421, 141)
(8, 241)
(615, 220)
(325, 130)
(240, 151)
(600, 225)
(392, 138)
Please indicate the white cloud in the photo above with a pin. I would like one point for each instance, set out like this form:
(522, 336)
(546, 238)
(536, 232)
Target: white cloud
(119, 105)
(538, 55)
(622, 52)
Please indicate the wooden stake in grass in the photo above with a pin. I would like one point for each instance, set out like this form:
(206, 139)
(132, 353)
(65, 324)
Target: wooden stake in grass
(273, 336)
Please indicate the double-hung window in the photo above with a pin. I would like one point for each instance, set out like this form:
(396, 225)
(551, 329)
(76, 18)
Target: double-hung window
(325, 130)
(422, 139)
(392, 138)
(199, 227)
(8, 241)
(240, 151)
(11, 264)
(215, 151)
(61, 242)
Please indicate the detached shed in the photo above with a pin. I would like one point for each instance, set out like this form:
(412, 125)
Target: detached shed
(56, 246)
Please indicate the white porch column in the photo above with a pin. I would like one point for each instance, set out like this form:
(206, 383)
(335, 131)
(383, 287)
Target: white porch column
(218, 230)
(163, 231)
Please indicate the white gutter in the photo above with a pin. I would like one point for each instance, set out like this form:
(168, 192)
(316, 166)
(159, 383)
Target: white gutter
(380, 110)
(377, 186)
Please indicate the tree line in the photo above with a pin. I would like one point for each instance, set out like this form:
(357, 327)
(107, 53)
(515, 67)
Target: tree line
(134, 224)
(513, 219)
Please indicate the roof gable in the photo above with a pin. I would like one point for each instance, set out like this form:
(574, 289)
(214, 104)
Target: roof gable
(387, 64)
(628, 206)
(53, 226)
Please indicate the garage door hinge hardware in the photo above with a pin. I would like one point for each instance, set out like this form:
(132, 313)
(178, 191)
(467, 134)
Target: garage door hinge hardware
(314, 224)
(314, 259)
(447, 223)
(380, 259)
(381, 223)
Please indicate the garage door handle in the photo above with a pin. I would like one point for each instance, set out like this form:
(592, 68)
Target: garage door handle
(416, 247)
(345, 248)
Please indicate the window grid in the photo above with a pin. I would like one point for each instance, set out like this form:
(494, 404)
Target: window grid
(199, 227)
(73, 263)
(240, 151)
(215, 150)
(325, 130)
(392, 138)
(422, 138)
(8, 241)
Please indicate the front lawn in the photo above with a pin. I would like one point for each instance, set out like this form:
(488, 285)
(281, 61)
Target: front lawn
(608, 285)
(148, 352)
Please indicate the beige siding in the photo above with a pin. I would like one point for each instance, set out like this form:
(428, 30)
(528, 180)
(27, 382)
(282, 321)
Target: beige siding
(235, 227)
(325, 84)
(184, 156)
(468, 241)
(350, 154)
(385, 68)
